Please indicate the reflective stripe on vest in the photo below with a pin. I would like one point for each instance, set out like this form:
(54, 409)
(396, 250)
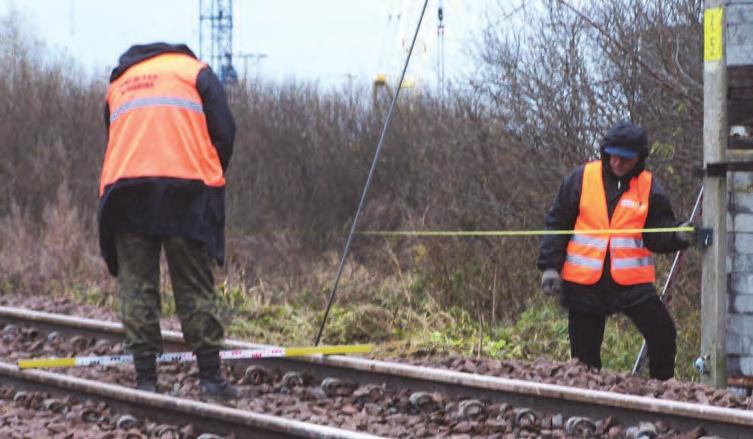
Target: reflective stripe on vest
(591, 241)
(627, 243)
(157, 124)
(591, 263)
(631, 262)
(157, 101)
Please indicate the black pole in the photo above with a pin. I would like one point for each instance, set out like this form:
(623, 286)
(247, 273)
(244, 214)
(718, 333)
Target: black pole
(368, 179)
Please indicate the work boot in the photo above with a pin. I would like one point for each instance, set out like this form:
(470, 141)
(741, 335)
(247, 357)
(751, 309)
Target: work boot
(212, 384)
(146, 372)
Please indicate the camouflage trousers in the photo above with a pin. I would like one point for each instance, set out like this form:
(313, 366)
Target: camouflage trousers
(139, 298)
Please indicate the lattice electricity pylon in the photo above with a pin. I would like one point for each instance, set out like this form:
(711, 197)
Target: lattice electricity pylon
(216, 37)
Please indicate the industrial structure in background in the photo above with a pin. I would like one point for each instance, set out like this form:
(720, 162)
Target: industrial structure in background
(440, 49)
(216, 38)
(399, 26)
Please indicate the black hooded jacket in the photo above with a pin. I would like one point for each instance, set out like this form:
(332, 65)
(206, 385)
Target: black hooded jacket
(606, 296)
(162, 206)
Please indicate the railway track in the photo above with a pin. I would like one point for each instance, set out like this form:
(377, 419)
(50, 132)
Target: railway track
(572, 403)
(168, 409)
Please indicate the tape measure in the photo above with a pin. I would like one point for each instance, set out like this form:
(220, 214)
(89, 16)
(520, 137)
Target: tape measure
(524, 232)
(173, 357)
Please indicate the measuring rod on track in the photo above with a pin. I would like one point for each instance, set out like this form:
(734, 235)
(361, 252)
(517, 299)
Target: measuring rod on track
(172, 357)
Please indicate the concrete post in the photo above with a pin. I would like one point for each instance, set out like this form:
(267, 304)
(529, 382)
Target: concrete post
(715, 132)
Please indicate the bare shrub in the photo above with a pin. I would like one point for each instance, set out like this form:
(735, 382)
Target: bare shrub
(18, 245)
(68, 254)
(55, 256)
(50, 126)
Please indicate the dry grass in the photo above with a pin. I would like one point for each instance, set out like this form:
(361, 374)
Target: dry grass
(55, 257)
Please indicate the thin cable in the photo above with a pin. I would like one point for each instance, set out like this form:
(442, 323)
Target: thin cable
(368, 179)
(448, 233)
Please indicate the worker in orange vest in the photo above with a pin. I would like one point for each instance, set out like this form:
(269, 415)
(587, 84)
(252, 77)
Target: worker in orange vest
(170, 139)
(600, 274)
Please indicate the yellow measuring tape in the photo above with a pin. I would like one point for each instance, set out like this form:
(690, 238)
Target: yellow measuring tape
(233, 354)
(524, 232)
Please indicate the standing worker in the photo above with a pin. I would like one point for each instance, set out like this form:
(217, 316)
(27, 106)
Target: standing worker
(609, 273)
(170, 138)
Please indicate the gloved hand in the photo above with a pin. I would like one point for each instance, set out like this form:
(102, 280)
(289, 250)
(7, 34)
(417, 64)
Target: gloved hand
(551, 282)
(687, 238)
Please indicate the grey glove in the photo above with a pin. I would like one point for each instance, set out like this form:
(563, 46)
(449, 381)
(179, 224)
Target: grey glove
(687, 238)
(551, 282)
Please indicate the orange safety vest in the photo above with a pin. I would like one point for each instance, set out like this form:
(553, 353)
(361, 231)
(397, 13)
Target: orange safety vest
(157, 124)
(631, 262)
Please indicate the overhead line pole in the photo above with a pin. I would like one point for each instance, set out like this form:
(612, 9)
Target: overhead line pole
(369, 178)
(715, 133)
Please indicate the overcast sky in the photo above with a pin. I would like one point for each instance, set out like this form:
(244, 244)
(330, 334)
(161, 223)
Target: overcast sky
(329, 41)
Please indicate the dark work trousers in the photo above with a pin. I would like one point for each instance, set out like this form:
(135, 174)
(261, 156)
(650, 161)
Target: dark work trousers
(139, 297)
(652, 320)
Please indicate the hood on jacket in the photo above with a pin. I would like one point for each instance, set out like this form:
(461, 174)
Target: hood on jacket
(140, 52)
(626, 137)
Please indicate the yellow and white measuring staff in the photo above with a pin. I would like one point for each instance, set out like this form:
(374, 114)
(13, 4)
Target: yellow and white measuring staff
(524, 232)
(174, 357)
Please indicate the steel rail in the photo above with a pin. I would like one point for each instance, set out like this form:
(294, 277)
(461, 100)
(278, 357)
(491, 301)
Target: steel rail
(570, 401)
(169, 409)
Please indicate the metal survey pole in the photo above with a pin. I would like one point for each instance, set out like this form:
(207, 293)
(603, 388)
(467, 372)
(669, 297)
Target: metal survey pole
(368, 179)
(673, 270)
(713, 360)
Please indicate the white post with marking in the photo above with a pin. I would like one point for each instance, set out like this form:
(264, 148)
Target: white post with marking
(715, 132)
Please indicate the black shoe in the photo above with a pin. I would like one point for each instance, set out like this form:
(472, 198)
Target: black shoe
(212, 385)
(220, 389)
(147, 386)
(146, 372)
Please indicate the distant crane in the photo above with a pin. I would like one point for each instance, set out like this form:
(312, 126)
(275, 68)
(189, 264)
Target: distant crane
(216, 37)
(440, 48)
(399, 28)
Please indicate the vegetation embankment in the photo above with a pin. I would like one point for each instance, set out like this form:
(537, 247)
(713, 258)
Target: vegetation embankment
(488, 155)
